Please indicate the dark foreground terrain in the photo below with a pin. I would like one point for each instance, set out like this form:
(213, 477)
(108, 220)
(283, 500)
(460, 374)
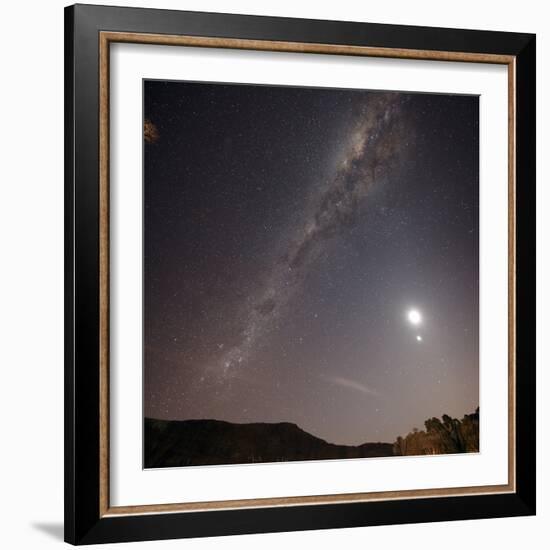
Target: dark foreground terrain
(201, 442)
(172, 443)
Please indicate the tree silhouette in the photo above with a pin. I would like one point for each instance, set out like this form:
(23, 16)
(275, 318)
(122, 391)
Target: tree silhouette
(442, 436)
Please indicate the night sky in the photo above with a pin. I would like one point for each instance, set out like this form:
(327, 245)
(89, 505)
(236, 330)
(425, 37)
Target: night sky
(288, 235)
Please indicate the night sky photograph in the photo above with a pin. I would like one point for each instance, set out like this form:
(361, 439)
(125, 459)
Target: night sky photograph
(310, 273)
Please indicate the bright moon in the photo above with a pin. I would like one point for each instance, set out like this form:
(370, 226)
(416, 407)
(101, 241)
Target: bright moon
(414, 317)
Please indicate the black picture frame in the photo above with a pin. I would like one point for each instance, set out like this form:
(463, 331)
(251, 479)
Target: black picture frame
(84, 523)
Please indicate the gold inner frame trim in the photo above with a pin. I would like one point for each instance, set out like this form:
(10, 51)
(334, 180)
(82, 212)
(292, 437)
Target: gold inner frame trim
(105, 39)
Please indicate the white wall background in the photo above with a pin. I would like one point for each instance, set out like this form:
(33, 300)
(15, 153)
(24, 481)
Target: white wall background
(31, 274)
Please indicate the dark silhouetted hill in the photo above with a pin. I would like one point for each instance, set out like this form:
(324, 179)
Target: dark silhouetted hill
(171, 443)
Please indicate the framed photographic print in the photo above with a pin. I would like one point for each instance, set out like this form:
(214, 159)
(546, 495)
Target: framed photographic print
(299, 274)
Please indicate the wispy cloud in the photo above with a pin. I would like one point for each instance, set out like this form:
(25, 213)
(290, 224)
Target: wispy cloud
(351, 384)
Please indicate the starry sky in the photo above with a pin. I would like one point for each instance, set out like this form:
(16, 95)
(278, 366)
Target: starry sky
(288, 235)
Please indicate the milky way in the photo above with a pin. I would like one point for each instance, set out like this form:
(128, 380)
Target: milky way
(287, 233)
(373, 149)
